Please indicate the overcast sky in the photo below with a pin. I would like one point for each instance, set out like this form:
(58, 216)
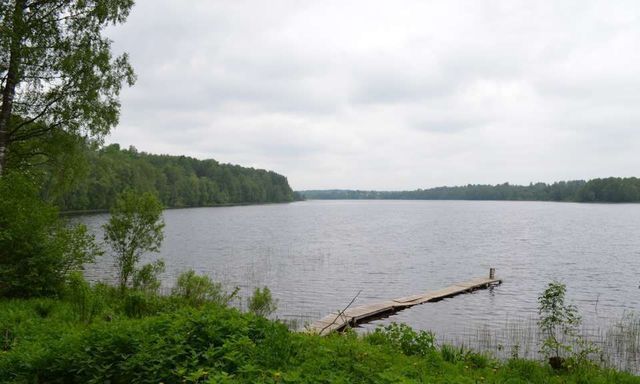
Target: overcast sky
(388, 94)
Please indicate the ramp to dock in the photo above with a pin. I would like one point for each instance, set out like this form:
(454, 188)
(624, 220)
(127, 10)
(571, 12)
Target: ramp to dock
(337, 321)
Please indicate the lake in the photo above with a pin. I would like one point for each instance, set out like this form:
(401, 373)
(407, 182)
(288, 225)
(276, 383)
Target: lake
(315, 256)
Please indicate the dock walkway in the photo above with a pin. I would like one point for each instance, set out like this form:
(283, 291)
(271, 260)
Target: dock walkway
(337, 321)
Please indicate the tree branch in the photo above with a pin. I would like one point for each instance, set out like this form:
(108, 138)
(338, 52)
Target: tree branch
(36, 117)
(340, 313)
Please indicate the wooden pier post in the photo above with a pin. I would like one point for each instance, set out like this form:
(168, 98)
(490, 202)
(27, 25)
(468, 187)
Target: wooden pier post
(492, 273)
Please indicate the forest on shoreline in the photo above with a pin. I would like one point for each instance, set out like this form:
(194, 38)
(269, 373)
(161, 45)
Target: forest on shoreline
(178, 181)
(610, 190)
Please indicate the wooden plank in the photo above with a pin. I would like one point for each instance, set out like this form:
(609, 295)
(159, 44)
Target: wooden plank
(365, 311)
(407, 299)
(352, 316)
(446, 292)
(330, 323)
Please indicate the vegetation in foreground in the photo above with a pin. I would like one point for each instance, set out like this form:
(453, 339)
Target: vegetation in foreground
(98, 335)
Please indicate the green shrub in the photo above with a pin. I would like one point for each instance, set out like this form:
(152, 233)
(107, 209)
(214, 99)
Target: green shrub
(404, 339)
(85, 302)
(43, 308)
(197, 290)
(37, 248)
(477, 360)
(139, 304)
(261, 303)
(146, 278)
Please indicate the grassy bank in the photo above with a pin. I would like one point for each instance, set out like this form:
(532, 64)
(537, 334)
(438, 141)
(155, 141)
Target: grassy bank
(141, 338)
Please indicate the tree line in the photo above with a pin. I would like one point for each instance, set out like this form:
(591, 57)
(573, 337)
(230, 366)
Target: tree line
(178, 181)
(611, 189)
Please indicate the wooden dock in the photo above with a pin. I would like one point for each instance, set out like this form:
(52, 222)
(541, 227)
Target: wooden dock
(337, 321)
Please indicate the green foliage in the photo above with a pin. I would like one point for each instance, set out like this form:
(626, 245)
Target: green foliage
(526, 371)
(178, 181)
(57, 72)
(146, 278)
(58, 160)
(139, 304)
(404, 339)
(611, 189)
(216, 344)
(43, 308)
(85, 302)
(37, 249)
(452, 354)
(557, 319)
(198, 290)
(261, 303)
(78, 245)
(75, 176)
(134, 228)
(559, 322)
(477, 360)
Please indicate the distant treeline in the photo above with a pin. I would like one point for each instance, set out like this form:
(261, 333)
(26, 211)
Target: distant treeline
(179, 181)
(612, 189)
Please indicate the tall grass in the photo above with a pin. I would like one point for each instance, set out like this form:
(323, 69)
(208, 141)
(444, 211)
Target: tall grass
(618, 341)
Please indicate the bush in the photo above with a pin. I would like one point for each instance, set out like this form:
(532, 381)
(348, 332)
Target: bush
(85, 302)
(261, 303)
(197, 290)
(477, 360)
(37, 249)
(403, 338)
(139, 304)
(43, 308)
(146, 278)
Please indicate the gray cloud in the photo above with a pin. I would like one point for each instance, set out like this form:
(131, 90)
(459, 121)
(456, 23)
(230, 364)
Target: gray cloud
(382, 95)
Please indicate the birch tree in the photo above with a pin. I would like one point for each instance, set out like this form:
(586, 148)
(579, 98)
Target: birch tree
(57, 71)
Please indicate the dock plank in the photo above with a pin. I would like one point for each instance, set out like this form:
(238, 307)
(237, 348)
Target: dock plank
(351, 316)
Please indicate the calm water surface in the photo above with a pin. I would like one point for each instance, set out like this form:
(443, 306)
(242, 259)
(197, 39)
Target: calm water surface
(316, 255)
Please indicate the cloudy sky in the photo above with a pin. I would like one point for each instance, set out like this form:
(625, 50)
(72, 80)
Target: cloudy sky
(388, 94)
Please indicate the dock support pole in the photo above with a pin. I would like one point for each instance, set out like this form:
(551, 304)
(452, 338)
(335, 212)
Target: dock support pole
(492, 273)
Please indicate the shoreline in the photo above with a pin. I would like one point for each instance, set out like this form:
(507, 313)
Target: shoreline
(99, 211)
